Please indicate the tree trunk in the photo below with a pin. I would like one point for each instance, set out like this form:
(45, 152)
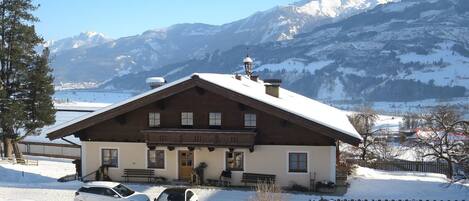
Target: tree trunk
(8, 147)
(16, 150)
(1, 148)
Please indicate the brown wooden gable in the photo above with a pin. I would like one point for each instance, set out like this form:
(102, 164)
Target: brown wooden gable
(275, 126)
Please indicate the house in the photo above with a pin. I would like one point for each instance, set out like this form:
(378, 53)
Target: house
(230, 122)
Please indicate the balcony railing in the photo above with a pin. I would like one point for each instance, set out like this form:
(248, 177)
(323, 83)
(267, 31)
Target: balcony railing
(200, 137)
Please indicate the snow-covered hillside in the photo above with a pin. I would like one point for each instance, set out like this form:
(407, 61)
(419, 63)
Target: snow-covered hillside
(90, 57)
(83, 40)
(401, 51)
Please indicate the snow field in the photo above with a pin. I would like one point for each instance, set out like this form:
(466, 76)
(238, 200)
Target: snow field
(39, 184)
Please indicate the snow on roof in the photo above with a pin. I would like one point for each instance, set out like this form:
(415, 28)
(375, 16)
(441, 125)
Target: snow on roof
(108, 184)
(288, 101)
(60, 118)
(154, 80)
(110, 107)
(79, 106)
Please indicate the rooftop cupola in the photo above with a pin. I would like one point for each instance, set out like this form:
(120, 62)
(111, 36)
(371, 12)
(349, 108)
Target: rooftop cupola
(248, 65)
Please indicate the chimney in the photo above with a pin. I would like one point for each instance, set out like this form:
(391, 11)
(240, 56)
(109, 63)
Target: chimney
(254, 78)
(155, 82)
(272, 87)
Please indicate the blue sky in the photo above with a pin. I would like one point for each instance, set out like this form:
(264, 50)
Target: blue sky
(117, 18)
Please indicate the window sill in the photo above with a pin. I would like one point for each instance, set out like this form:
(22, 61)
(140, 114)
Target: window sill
(298, 172)
(154, 168)
(236, 170)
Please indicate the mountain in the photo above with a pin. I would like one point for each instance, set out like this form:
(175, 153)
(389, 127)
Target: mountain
(402, 51)
(153, 49)
(83, 40)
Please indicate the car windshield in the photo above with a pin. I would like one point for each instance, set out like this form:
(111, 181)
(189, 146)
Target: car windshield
(172, 195)
(123, 190)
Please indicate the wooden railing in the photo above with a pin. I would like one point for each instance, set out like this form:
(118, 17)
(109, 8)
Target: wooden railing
(200, 137)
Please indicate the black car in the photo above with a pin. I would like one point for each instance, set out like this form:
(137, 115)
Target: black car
(177, 194)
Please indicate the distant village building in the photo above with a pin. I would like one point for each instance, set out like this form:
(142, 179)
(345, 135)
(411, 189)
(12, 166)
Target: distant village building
(234, 123)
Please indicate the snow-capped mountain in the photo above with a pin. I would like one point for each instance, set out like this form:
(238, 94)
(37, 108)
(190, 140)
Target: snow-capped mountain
(402, 51)
(83, 40)
(159, 47)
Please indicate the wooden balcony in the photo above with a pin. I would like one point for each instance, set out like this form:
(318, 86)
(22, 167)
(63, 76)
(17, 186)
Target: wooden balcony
(199, 137)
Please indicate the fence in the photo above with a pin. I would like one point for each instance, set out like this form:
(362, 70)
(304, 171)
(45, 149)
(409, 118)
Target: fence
(324, 199)
(419, 166)
(50, 150)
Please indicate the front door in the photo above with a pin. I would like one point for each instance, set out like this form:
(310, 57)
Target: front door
(186, 162)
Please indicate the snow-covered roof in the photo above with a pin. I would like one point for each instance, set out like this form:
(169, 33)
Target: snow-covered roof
(79, 106)
(60, 118)
(113, 106)
(247, 60)
(288, 101)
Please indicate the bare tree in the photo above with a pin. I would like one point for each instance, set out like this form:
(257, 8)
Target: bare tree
(441, 134)
(411, 121)
(385, 150)
(364, 122)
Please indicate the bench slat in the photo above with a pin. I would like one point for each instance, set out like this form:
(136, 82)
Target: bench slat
(255, 177)
(139, 173)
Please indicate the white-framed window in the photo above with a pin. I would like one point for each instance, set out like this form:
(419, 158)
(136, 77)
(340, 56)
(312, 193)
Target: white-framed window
(187, 118)
(109, 157)
(154, 119)
(250, 120)
(156, 159)
(214, 119)
(235, 161)
(298, 162)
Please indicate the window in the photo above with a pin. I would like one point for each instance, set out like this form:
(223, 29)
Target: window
(123, 190)
(249, 120)
(187, 119)
(235, 161)
(109, 157)
(98, 191)
(156, 159)
(214, 119)
(154, 119)
(297, 162)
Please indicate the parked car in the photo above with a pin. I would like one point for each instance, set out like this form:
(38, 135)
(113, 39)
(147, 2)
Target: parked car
(107, 191)
(177, 194)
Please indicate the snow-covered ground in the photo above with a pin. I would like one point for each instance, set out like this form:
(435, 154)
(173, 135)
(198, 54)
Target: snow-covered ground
(38, 183)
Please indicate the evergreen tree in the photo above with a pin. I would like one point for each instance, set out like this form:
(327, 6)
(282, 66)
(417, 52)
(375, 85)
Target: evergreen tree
(25, 80)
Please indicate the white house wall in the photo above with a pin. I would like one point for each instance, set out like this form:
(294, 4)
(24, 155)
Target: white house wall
(266, 159)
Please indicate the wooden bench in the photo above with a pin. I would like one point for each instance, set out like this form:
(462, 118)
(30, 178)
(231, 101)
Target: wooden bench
(256, 178)
(139, 173)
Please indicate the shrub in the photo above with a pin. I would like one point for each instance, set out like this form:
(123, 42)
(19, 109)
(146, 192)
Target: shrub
(268, 191)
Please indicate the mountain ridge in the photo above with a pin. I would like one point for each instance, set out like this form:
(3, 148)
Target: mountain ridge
(156, 48)
(404, 51)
